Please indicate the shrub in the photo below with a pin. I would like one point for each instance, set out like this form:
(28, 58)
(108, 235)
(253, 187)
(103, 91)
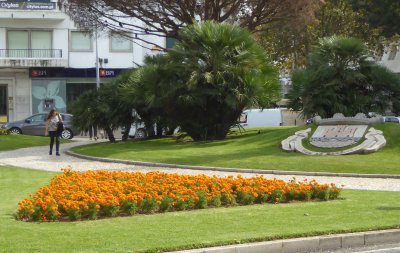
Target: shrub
(92, 211)
(129, 207)
(201, 202)
(4, 131)
(216, 201)
(245, 198)
(110, 210)
(149, 206)
(166, 204)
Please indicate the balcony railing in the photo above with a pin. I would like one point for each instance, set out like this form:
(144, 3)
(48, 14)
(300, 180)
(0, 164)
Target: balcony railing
(30, 53)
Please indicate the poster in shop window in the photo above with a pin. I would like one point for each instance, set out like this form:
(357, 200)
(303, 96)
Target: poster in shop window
(47, 95)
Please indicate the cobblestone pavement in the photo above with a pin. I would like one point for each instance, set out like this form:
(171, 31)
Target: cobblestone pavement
(38, 158)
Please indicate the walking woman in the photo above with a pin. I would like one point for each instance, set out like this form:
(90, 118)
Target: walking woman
(51, 129)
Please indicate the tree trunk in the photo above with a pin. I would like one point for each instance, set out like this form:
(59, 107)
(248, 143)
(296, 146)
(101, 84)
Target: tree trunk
(125, 136)
(110, 134)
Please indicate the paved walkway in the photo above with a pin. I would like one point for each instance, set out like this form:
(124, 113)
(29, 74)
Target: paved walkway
(38, 158)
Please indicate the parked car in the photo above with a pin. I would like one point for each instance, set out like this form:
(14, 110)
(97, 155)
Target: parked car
(35, 125)
(137, 131)
(392, 119)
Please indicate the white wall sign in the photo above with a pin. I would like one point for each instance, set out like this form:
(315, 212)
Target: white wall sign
(27, 5)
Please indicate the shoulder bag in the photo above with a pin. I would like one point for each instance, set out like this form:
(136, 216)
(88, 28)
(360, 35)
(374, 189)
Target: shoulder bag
(60, 125)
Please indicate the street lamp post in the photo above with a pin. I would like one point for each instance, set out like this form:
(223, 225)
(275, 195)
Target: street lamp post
(97, 63)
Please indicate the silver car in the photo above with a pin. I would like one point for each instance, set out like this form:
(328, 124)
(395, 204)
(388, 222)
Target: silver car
(35, 125)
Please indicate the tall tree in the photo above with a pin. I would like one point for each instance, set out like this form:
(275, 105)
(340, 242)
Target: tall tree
(103, 108)
(289, 45)
(383, 14)
(341, 78)
(166, 18)
(146, 91)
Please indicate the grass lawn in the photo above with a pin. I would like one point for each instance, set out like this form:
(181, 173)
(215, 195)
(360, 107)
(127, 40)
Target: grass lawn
(357, 211)
(254, 151)
(11, 142)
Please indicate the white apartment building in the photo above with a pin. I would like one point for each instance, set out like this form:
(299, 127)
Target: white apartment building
(391, 59)
(46, 61)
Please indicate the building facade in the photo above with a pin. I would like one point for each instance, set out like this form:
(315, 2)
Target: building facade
(46, 61)
(391, 58)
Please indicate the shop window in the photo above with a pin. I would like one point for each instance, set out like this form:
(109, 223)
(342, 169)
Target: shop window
(48, 94)
(81, 42)
(120, 43)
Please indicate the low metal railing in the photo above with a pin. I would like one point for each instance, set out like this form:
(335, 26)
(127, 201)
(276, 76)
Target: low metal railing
(30, 53)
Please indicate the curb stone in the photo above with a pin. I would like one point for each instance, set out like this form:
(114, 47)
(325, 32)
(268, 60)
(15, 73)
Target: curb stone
(309, 244)
(237, 170)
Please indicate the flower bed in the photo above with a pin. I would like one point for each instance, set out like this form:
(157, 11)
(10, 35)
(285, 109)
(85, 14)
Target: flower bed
(94, 194)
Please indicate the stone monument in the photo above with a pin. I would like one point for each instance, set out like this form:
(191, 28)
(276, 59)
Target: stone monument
(339, 132)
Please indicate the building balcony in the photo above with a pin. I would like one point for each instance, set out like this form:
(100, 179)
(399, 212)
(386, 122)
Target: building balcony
(23, 58)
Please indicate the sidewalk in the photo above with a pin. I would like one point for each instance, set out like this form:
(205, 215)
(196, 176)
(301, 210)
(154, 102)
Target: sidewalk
(38, 158)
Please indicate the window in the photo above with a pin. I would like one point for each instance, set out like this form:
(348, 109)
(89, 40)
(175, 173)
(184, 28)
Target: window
(38, 118)
(26, 43)
(41, 40)
(119, 43)
(81, 42)
(170, 42)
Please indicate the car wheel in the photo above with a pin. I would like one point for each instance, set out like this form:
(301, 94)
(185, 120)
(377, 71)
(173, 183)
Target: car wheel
(141, 134)
(15, 130)
(67, 134)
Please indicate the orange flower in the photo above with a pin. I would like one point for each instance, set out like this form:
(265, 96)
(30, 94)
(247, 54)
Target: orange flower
(105, 189)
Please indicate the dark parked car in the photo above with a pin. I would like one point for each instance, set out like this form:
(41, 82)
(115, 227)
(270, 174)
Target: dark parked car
(35, 125)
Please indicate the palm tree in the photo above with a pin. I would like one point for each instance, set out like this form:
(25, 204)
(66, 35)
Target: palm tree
(146, 92)
(215, 71)
(341, 78)
(103, 107)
